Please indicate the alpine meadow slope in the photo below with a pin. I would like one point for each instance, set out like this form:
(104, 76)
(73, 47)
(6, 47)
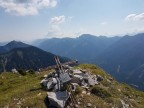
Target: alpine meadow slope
(25, 91)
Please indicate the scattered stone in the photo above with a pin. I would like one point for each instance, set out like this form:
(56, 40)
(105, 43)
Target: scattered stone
(119, 90)
(108, 81)
(15, 99)
(84, 92)
(76, 106)
(79, 103)
(14, 71)
(45, 76)
(19, 103)
(88, 93)
(124, 105)
(39, 94)
(89, 104)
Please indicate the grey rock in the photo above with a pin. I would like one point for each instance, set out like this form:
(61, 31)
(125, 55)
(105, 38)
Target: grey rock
(58, 99)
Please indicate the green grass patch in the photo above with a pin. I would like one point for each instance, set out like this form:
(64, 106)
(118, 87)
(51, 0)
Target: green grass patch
(15, 86)
(101, 92)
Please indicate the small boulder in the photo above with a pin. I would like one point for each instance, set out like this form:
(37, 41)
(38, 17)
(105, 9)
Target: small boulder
(89, 104)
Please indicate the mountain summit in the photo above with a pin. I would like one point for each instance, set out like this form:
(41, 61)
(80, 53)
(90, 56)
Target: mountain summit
(15, 44)
(11, 45)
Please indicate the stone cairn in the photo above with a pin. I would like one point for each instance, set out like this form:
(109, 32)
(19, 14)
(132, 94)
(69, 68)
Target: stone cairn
(62, 83)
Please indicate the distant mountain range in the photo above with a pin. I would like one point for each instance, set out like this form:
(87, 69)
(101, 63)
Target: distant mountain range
(81, 48)
(22, 56)
(123, 57)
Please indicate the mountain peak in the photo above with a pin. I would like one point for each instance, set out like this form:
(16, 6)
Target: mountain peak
(12, 45)
(17, 43)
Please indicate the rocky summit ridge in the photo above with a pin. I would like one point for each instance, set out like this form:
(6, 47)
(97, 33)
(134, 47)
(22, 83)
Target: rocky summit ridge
(62, 84)
(26, 91)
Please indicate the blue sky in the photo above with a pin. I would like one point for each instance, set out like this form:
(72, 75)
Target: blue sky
(36, 19)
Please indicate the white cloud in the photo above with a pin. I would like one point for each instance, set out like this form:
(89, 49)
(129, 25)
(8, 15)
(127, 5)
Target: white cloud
(55, 29)
(57, 20)
(135, 17)
(26, 7)
(60, 19)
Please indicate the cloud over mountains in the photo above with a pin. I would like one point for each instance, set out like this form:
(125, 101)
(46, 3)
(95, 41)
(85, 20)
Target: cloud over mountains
(26, 7)
(135, 17)
(55, 26)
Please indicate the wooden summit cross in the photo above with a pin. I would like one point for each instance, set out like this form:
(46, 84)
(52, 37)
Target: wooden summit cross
(64, 77)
